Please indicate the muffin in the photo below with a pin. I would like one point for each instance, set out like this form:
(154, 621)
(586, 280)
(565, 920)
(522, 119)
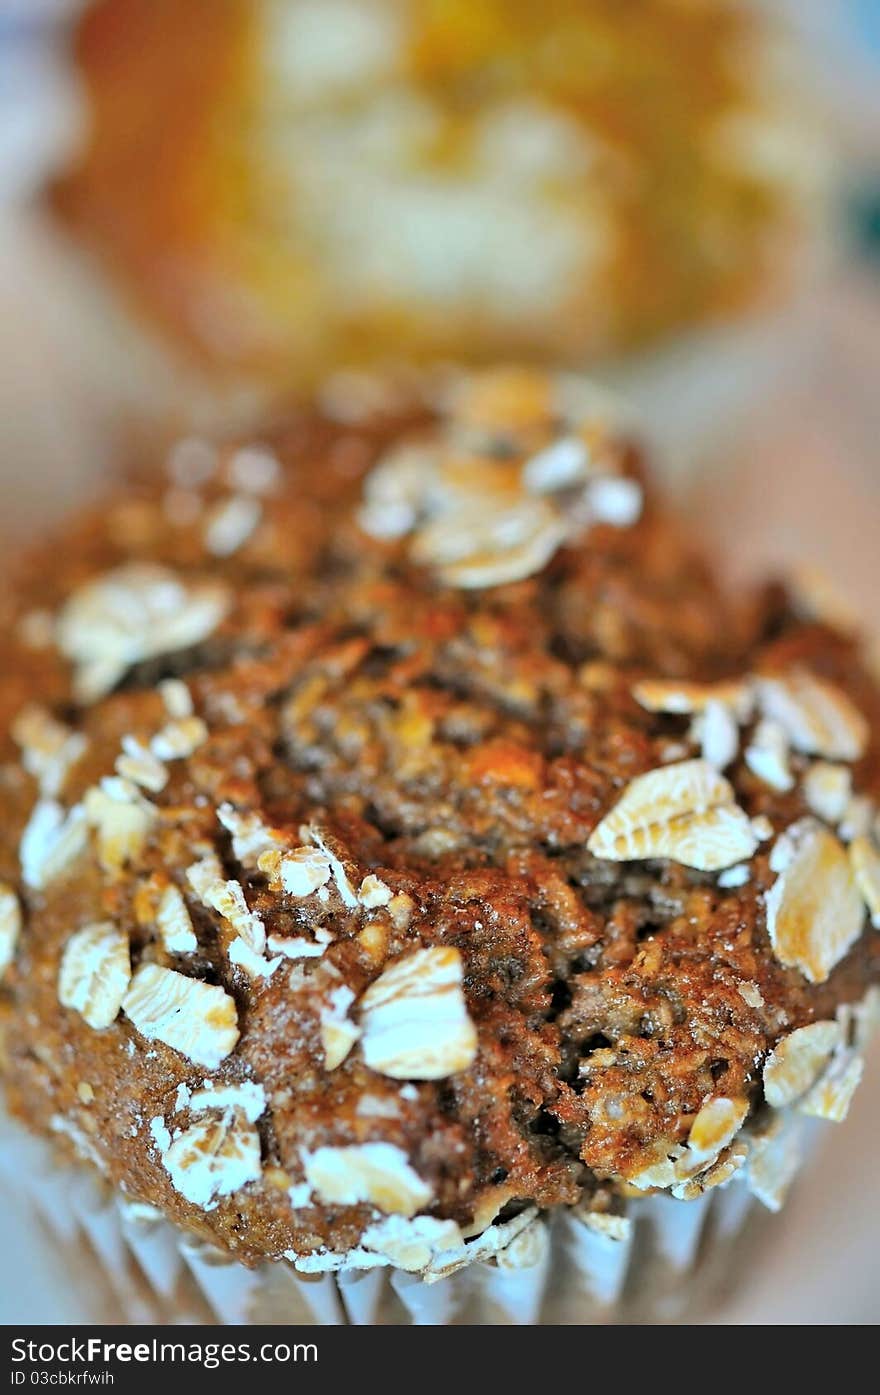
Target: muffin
(290, 186)
(424, 891)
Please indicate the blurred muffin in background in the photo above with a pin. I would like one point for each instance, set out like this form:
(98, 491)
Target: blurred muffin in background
(288, 185)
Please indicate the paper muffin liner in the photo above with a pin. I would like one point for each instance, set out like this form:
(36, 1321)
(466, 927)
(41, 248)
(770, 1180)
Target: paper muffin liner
(573, 1267)
(647, 1258)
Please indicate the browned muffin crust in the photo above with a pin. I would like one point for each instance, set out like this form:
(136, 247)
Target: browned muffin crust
(460, 744)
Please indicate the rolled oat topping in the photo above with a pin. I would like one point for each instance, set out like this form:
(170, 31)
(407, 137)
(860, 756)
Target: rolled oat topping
(174, 922)
(832, 1095)
(49, 749)
(300, 872)
(51, 842)
(338, 1032)
(10, 925)
(675, 1165)
(719, 735)
(483, 507)
(768, 756)
(716, 1124)
(683, 696)
(136, 612)
(95, 973)
(250, 836)
(213, 1158)
(177, 698)
(122, 820)
(774, 1160)
(139, 765)
(798, 1061)
(828, 790)
(816, 716)
(686, 812)
(814, 910)
(378, 1173)
(865, 861)
(247, 1096)
(414, 1018)
(197, 1019)
(231, 524)
(179, 738)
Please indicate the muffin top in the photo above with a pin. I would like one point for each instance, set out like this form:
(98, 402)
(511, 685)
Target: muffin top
(402, 833)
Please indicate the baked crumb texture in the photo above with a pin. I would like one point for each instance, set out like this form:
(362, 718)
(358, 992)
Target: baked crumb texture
(402, 834)
(292, 184)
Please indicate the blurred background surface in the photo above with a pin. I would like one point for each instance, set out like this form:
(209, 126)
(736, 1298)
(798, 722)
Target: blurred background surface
(767, 424)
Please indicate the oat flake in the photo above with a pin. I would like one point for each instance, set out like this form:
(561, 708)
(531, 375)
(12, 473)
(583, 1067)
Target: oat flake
(415, 1020)
(797, 1062)
(828, 790)
(197, 1019)
(685, 812)
(681, 696)
(214, 1158)
(768, 756)
(338, 1032)
(377, 1173)
(95, 973)
(52, 840)
(174, 923)
(815, 913)
(865, 862)
(831, 1096)
(817, 717)
(10, 925)
(136, 612)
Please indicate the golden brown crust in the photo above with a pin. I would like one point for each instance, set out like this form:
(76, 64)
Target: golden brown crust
(463, 746)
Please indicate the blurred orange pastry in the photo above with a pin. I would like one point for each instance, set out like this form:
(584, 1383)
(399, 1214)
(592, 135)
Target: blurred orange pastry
(288, 186)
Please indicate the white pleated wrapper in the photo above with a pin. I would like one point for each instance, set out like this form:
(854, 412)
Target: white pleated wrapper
(569, 1268)
(658, 1259)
